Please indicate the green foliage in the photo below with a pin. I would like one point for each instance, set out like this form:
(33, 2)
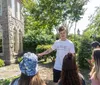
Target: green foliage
(47, 14)
(92, 33)
(19, 59)
(98, 38)
(7, 81)
(1, 63)
(42, 16)
(84, 51)
(94, 25)
(34, 38)
(42, 48)
(76, 40)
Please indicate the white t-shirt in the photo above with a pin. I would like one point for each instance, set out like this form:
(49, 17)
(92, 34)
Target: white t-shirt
(62, 48)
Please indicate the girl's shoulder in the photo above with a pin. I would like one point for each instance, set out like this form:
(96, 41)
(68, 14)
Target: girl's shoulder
(94, 81)
(82, 78)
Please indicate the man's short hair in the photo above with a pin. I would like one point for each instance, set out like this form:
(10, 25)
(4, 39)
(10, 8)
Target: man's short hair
(61, 28)
(94, 44)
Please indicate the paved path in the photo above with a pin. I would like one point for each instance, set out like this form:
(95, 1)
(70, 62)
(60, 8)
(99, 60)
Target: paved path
(44, 70)
(13, 70)
(9, 71)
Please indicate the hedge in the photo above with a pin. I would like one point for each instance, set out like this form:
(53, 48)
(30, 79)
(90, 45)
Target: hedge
(84, 52)
(2, 63)
(42, 48)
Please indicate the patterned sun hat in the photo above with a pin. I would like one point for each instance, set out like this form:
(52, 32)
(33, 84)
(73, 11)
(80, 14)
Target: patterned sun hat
(29, 64)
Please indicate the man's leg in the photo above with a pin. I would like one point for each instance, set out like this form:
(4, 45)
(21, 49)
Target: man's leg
(56, 76)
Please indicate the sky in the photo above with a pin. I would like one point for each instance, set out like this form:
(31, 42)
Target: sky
(90, 8)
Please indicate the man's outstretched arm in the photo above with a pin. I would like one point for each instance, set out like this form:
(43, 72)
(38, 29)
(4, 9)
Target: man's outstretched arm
(45, 52)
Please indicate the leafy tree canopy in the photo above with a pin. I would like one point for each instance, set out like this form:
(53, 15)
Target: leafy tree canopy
(94, 26)
(46, 14)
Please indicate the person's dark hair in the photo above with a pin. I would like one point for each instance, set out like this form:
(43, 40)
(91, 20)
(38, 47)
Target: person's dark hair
(69, 74)
(61, 28)
(95, 44)
(24, 79)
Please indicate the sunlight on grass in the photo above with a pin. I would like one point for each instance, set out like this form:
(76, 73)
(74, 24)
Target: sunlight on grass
(7, 81)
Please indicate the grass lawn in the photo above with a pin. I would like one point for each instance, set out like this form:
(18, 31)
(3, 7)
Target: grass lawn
(6, 81)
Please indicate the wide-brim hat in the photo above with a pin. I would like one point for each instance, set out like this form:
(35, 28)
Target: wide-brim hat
(29, 64)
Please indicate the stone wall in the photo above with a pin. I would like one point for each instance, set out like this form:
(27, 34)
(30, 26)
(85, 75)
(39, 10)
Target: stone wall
(11, 26)
(4, 23)
(16, 31)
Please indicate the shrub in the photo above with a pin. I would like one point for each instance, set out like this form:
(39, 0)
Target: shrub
(84, 52)
(31, 40)
(1, 63)
(7, 81)
(19, 59)
(42, 48)
(76, 40)
(97, 39)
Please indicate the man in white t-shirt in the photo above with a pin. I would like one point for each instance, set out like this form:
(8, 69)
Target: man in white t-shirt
(63, 46)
